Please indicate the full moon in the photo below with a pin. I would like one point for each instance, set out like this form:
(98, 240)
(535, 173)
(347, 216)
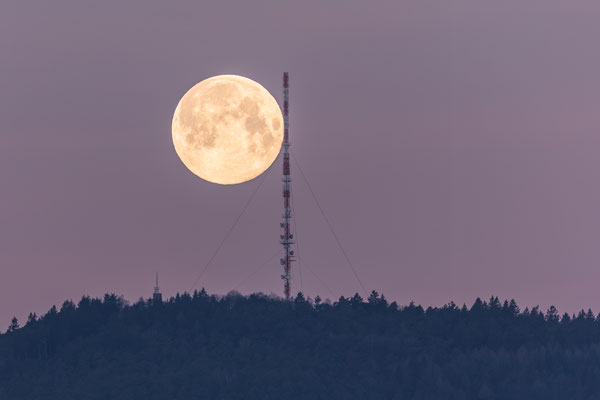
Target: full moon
(227, 129)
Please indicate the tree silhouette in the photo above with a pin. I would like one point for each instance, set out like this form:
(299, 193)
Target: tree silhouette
(14, 325)
(262, 347)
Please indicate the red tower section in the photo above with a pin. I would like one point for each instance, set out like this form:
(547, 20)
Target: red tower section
(286, 238)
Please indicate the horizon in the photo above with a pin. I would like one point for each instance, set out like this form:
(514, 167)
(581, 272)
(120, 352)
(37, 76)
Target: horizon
(522, 309)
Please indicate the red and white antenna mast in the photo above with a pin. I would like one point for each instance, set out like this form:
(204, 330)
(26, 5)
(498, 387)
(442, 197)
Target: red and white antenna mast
(287, 237)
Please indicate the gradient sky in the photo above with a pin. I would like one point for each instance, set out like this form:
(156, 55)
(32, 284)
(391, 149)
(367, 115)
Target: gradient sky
(452, 144)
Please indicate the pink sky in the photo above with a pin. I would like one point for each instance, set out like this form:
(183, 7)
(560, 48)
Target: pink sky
(453, 145)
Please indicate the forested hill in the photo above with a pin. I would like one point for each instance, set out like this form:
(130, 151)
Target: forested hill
(258, 347)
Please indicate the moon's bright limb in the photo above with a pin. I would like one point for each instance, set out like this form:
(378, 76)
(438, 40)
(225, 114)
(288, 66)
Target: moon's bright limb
(227, 129)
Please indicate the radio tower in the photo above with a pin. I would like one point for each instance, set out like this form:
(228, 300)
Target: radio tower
(286, 238)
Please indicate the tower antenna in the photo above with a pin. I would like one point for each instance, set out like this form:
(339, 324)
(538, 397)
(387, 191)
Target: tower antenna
(287, 237)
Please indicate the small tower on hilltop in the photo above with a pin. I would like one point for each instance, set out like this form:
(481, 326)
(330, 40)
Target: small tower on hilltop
(157, 295)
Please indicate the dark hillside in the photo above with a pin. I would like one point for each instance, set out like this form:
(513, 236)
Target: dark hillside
(257, 347)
